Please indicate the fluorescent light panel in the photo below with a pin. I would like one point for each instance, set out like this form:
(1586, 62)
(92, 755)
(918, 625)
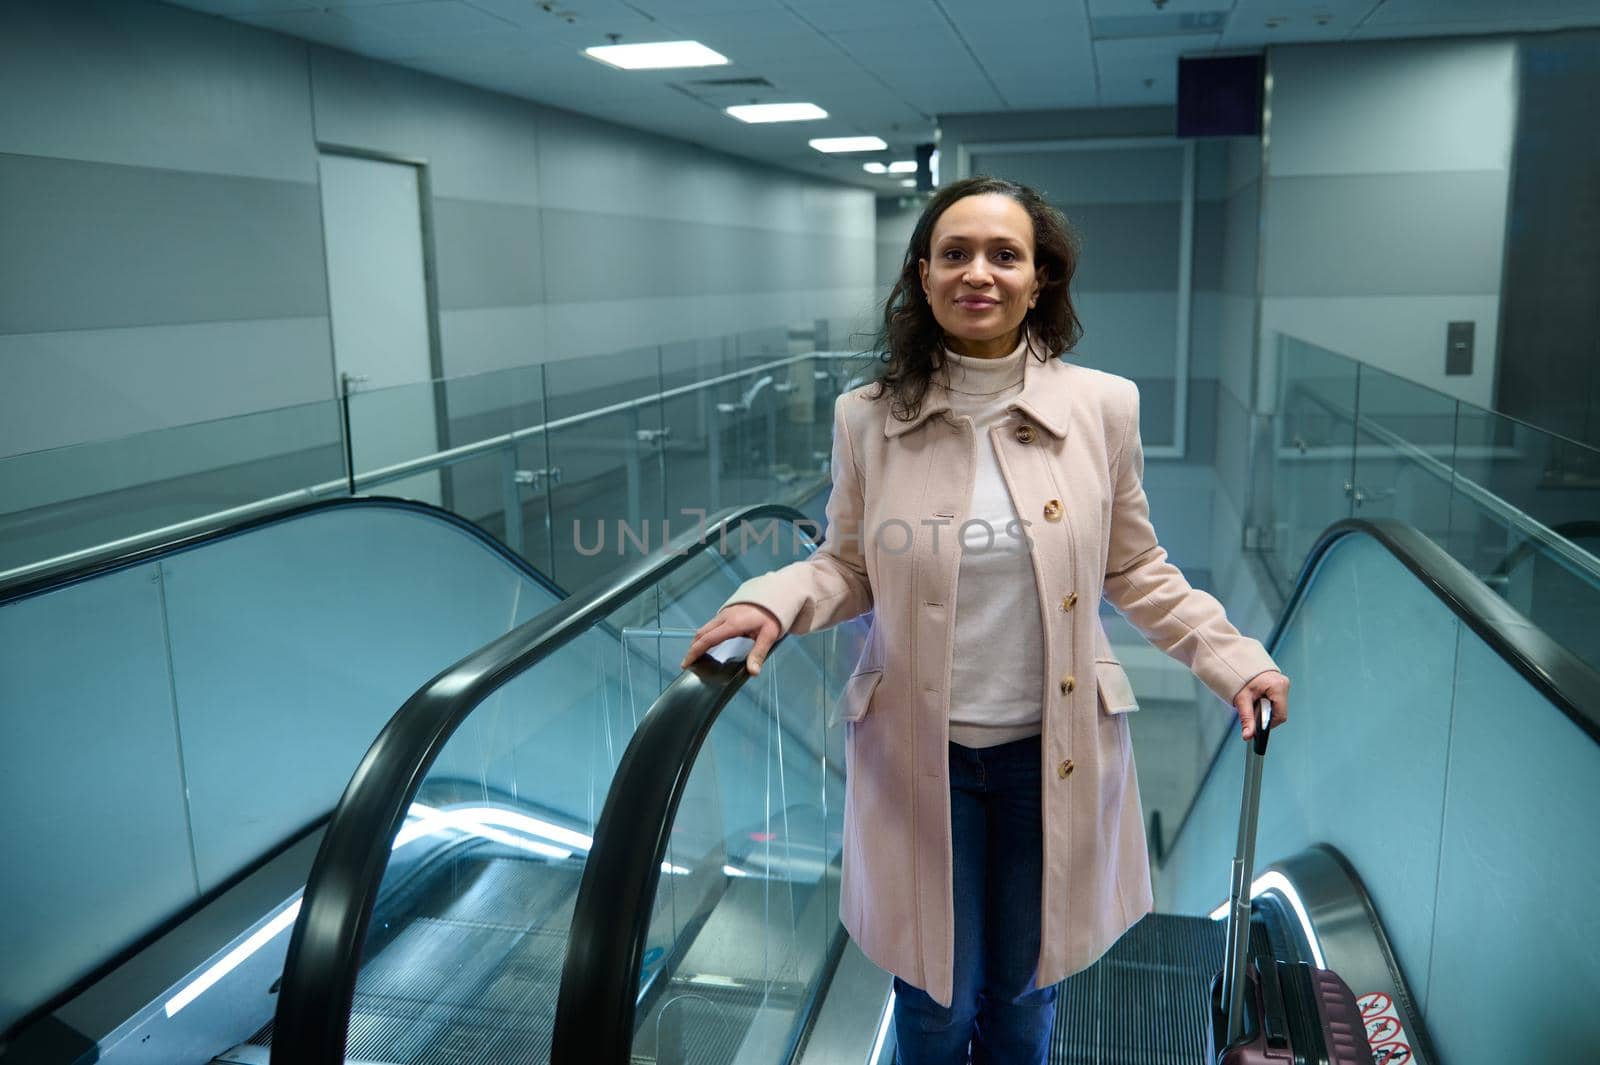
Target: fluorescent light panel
(849, 144)
(776, 112)
(658, 55)
(903, 166)
(875, 168)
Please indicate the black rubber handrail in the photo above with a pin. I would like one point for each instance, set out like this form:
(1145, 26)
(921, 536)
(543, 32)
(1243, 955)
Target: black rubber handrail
(325, 948)
(600, 977)
(99, 567)
(1555, 672)
(596, 1010)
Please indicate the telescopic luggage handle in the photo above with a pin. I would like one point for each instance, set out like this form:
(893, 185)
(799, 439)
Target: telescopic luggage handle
(1244, 861)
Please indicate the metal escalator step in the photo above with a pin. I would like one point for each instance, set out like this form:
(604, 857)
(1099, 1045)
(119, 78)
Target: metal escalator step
(1146, 1001)
(701, 1023)
(471, 972)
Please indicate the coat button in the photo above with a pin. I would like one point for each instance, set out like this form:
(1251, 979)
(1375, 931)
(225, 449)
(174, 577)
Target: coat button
(1025, 434)
(1052, 510)
(1064, 769)
(1070, 601)
(1068, 683)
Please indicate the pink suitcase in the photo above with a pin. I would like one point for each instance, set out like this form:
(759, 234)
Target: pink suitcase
(1288, 1013)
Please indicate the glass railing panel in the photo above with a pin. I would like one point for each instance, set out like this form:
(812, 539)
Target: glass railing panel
(746, 410)
(759, 346)
(394, 425)
(64, 500)
(467, 942)
(1313, 439)
(1521, 520)
(609, 461)
(1405, 443)
(503, 489)
(692, 450)
(746, 911)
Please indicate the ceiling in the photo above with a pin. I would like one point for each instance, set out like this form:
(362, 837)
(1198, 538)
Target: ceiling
(884, 67)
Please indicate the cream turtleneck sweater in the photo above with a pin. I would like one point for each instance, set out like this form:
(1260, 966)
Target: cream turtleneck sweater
(998, 669)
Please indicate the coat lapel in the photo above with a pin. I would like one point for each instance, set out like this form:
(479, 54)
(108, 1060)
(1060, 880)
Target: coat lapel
(1043, 399)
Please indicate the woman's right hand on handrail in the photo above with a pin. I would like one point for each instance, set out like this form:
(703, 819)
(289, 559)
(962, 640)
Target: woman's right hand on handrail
(734, 620)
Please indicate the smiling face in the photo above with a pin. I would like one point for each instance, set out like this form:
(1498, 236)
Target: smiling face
(980, 278)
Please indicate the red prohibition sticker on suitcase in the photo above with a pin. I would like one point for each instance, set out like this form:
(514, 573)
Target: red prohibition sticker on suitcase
(1385, 1034)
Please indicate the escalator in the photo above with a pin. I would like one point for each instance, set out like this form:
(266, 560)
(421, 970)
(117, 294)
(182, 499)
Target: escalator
(703, 929)
(473, 900)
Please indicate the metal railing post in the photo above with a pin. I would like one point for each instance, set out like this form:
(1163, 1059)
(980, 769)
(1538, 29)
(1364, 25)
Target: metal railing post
(713, 423)
(631, 444)
(511, 500)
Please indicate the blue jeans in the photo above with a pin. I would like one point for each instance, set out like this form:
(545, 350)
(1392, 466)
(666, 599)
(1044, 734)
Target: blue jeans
(997, 835)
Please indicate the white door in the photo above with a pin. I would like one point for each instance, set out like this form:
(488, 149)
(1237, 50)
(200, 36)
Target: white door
(372, 234)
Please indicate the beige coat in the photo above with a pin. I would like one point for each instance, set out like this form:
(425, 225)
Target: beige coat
(1072, 462)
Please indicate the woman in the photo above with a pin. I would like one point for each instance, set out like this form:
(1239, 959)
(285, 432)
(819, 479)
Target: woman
(993, 841)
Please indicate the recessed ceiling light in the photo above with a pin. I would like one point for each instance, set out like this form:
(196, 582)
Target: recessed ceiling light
(658, 55)
(903, 166)
(849, 144)
(909, 183)
(776, 112)
(875, 168)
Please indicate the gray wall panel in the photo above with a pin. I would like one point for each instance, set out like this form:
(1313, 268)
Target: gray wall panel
(90, 245)
(150, 85)
(1384, 107)
(1427, 234)
(1104, 175)
(594, 256)
(487, 254)
(479, 145)
(98, 384)
(1046, 125)
(589, 165)
(1127, 246)
(1210, 221)
(1242, 228)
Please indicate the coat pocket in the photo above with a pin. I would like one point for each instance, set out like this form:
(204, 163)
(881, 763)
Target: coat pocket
(1116, 692)
(856, 699)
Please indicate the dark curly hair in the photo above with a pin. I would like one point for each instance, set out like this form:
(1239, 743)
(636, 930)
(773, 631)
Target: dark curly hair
(911, 342)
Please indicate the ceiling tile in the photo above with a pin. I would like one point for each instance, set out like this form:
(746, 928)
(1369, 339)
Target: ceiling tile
(331, 28)
(1434, 13)
(1258, 23)
(1143, 72)
(432, 17)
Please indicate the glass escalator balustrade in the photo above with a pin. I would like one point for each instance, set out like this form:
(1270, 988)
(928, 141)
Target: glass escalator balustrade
(463, 955)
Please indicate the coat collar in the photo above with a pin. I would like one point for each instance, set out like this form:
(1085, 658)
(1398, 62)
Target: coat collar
(1040, 400)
